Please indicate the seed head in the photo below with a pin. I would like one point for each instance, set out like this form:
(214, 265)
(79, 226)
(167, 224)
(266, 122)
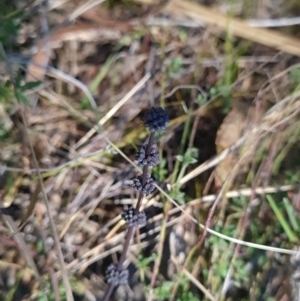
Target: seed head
(156, 119)
(134, 219)
(115, 277)
(143, 159)
(148, 188)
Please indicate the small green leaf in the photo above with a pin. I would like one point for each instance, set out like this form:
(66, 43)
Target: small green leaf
(200, 100)
(295, 75)
(30, 85)
(177, 195)
(21, 97)
(179, 158)
(291, 214)
(176, 65)
(145, 261)
(190, 156)
(164, 291)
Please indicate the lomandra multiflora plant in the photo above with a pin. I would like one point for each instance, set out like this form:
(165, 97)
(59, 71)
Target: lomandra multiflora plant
(147, 156)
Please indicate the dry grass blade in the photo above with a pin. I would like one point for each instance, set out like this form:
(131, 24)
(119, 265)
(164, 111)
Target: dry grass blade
(83, 8)
(111, 112)
(275, 22)
(211, 163)
(244, 192)
(225, 237)
(56, 4)
(235, 26)
(70, 79)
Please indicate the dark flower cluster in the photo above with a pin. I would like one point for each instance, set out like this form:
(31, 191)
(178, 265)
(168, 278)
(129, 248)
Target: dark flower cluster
(134, 219)
(116, 277)
(151, 159)
(147, 188)
(156, 119)
(147, 156)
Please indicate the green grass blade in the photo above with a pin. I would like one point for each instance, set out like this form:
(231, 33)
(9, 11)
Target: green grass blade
(291, 214)
(99, 78)
(289, 232)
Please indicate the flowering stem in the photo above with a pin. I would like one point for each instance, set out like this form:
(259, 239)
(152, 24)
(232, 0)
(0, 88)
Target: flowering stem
(156, 119)
(137, 208)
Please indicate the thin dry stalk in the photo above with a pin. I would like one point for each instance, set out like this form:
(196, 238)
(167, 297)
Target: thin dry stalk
(225, 237)
(70, 79)
(113, 110)
(27, 253)
(69, 294)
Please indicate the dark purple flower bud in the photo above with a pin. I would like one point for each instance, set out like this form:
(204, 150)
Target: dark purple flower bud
(115, 277)
(148, 188)
(143, 159)
(156, 119)
(134, 219)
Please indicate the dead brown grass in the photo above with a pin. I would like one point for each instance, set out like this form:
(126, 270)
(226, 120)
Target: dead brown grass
(83, 140)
